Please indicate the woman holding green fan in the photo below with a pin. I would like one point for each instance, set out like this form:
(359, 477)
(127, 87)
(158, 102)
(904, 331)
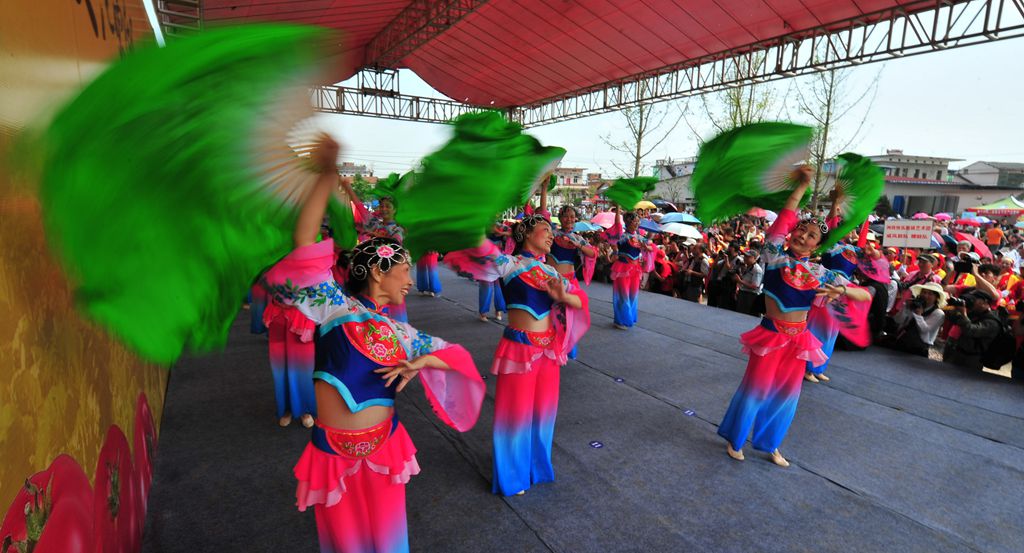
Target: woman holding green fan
(354, 470)
(781, 346)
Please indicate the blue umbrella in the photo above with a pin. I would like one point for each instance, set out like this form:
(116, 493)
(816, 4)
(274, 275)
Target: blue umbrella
(649, 226)
(679, 218)
(584, 226)
(936, 242)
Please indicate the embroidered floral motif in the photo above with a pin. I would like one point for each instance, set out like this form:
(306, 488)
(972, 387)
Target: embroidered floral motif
(358, 444)
(850, 255)
(799, 278)
(421, 345)
(376, 340)
(536, 277)
(325, 293)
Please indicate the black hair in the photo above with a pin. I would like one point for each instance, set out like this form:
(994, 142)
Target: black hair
(567, 208)
(989, 268)
(522, 229)
(384, 253)
(629, 216)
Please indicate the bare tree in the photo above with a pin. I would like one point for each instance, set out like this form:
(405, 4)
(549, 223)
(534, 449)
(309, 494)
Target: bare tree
(738, 105)
(647, 130)
(827, 99)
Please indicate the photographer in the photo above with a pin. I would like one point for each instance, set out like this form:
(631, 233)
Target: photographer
(978, 326)
(917, 325)
(721, 287)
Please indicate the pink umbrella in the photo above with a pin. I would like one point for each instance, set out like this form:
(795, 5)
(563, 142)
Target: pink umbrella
(968, 222)
(758, 212)
(979, 246)
(921, 215)
(942, 217)
(606, 219)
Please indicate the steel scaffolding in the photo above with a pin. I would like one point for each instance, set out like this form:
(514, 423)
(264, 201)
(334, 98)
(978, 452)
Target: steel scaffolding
(922, 27)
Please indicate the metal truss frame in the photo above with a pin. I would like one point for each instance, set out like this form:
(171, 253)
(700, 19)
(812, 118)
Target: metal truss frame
(912, 29)
(377, 96)
(179, 17)
(420, 22)
(918, 28)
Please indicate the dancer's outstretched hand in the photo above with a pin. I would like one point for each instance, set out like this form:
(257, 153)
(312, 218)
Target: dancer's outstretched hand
(406, 370)
(833, 292)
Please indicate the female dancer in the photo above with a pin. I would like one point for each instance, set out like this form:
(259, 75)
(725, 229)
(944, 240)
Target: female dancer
(548, 314)
(381, 225)
(780, 346)
(491, 291)
(428, 283)
(292, 356)
(354, 470)
(627, 269)
(566, 249)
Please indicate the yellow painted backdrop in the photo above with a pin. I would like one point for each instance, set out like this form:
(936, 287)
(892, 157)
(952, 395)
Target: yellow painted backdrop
(63, 382)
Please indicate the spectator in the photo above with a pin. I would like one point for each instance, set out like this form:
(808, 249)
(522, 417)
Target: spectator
(748, 280)
(721, 286)
(925, 273)
(978, 326)
(994, 237)
(916, 326)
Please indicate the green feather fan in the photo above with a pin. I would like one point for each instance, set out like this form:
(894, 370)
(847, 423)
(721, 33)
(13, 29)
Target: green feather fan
(173, 179)
(386, 187)
(489, 165)
(862, 183)
(625, 193)
(748, 166)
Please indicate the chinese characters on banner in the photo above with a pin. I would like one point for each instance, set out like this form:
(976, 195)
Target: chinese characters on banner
(904, 233)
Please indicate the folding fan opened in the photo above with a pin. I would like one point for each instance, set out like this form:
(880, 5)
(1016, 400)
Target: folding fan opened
(172, 180)
(488, 166)
(861, 184)
(746, 167)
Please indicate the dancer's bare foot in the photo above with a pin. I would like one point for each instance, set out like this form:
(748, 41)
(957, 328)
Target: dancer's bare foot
(307, 420)
(778, 459)
(810, 377)
(285, 420)
(823, 378)
(738, 455)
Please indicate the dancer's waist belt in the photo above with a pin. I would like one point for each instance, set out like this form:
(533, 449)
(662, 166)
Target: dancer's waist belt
(542, 339)
(784, 327)
(354, 444)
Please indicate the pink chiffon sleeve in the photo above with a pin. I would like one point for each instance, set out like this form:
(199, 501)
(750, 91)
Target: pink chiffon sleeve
(456, 394)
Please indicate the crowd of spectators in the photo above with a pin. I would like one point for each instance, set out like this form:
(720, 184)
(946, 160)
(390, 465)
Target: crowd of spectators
(958, 302)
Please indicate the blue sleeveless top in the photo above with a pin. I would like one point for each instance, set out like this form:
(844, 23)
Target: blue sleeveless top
(525, 288)
(347, 355)
(631, 247)
(563, 252)
(841, 258)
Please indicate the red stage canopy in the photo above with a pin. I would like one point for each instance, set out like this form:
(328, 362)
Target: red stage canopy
(517, 52)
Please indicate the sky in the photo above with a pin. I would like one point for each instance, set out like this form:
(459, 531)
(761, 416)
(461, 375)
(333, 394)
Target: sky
(965, 103)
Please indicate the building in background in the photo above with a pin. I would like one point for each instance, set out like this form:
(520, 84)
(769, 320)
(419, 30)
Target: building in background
(674, 183)
(992, 173)
(349, 169)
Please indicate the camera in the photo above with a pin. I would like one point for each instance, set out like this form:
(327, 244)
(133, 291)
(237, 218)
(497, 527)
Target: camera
(915, 303)
(963, 266)
(956, 302)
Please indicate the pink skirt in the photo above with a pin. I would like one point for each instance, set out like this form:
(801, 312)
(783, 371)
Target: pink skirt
(322, 475)
(772, 335)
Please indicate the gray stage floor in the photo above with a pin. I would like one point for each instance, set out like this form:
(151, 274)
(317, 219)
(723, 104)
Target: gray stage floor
(895, 454)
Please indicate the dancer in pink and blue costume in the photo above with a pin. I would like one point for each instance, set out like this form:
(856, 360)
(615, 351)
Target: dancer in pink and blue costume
(292, 355)
(379, 225)
(428, 282)
(548, 314)
(567, 250)
(780, 347)
(490, 292)
(627, 269)
(354, 470)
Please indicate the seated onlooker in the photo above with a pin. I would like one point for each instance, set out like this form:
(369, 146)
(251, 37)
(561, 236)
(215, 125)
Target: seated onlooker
(978, 327)
(916, 326)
